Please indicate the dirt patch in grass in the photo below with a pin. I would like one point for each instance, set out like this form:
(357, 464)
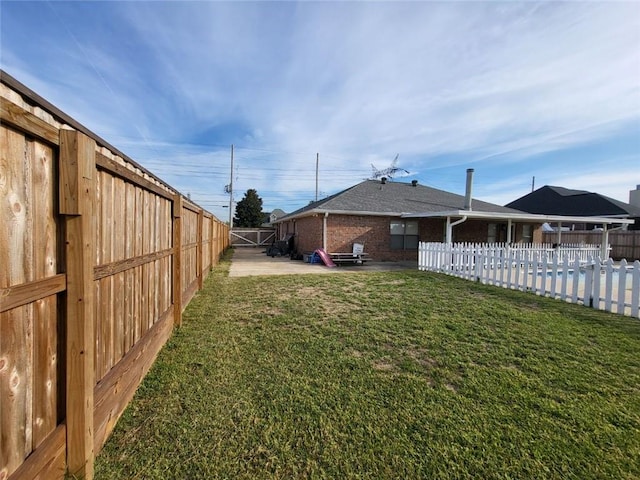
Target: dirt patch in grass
(383, 365)
(420, 355)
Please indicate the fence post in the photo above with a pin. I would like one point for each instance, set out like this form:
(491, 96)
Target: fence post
(77, 196)
(199, 260)
(212, 244)
(177, 260)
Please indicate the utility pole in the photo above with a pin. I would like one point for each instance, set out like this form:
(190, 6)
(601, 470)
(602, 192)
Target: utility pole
(317, 162)
(231, 195)
(533, 183)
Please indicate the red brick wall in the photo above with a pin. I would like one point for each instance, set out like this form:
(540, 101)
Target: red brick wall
(470, 231)
(342, 232)
(308, 232)
(345, 230)
(478, 231)
(432, 229)
(374, 232)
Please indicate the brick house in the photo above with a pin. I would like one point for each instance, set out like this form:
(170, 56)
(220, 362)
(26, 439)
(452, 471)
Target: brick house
(390, 218)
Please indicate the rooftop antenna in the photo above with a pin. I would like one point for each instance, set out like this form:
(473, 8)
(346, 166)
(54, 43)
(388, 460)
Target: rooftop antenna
(390, 171)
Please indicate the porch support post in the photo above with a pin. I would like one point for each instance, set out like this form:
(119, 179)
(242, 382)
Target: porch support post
(509, 231)
(447, 238)
(559, 237)
(604, 251)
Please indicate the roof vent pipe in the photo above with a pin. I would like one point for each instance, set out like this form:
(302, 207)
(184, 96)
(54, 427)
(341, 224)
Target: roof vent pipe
(414, 183)
(467, 194)
(383, 180)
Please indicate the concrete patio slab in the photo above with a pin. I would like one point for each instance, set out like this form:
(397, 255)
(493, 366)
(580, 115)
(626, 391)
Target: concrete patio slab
(252, 261)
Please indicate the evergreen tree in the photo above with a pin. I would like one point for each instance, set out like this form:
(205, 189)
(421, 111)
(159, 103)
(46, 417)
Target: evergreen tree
(249, 211)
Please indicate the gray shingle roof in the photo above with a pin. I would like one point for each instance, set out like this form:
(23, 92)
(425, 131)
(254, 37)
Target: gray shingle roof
(371, 196)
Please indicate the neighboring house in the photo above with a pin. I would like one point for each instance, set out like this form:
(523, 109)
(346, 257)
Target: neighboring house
(271, 217)
(550, 200)
(389, 218)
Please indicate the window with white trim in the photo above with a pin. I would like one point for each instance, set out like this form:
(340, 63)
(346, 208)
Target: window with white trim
(492, 233)
(404, 234)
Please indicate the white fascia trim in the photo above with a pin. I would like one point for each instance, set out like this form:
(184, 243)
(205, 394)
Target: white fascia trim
(520, 216)
(319, 211)
(360, 213)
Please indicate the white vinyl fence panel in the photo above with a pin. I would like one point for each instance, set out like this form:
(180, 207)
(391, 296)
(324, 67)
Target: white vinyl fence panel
(572, 273)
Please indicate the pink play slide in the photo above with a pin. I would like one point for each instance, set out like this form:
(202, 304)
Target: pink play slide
(326, 259)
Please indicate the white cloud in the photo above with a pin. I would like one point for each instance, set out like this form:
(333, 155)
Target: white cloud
(484, 84)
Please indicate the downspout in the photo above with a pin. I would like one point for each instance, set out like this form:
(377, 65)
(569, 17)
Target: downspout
(324, 230)
(604, 250)
(451, 225)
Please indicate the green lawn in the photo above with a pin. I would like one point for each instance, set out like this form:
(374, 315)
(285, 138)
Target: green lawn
(384, 375)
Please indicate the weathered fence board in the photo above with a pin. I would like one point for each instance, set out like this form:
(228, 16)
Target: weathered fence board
(28, 302)
(82, 222)
(190, 276)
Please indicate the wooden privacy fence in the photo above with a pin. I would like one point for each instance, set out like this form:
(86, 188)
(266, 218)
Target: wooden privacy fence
(572, 275)
(623, 243)
(98, 258)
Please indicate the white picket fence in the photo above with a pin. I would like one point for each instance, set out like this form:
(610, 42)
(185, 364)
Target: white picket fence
(574, 273)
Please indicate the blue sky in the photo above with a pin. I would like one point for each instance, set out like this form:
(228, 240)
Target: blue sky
(515, 90)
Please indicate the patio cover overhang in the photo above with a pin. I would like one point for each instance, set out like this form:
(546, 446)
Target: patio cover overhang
(462, 215)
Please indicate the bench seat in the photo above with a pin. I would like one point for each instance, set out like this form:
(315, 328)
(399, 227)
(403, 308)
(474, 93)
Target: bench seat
(354, 258)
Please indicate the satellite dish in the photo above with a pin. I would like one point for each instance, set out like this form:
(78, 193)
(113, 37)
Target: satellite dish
(390, 171)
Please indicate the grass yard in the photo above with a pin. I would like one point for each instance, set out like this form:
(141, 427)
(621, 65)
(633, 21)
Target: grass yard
(384, 375)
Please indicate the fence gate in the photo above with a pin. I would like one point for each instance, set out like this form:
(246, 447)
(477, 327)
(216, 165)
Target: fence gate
(252, 237)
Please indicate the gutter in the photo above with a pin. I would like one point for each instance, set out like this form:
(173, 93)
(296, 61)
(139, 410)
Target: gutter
(604, 251)
(450, 227)
(519, 217)
(322, 211)
(324, 230)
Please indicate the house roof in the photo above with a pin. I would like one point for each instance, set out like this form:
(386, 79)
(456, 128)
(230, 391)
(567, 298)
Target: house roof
(551, 200)
(372, 197)
(407, 200)
(277, 212)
